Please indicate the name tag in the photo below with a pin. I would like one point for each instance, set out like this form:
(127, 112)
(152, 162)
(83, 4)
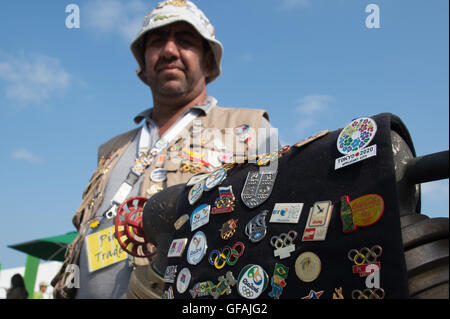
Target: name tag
(103, 249)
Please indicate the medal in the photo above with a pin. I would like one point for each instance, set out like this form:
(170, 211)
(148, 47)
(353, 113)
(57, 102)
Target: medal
(196, 192)
(183, 280)
(200, 216)
(197, 248)
(257, 188)
(308, 266)
(286, 213)
(252, 281)
(215, 178)
(256, 228)
(318, 220)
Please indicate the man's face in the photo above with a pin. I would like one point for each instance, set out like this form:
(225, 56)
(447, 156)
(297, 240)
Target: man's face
(175, 61)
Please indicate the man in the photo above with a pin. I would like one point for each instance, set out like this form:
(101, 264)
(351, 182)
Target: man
(184, 133)
(41, 294)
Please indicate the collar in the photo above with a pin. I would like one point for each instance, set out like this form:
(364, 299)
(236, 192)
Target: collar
(210, 102)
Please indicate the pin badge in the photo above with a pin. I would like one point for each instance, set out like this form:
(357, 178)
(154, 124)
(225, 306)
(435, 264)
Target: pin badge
(215, 178)
(353, 142)
(377, 293)
(318, 220)
(228, 229)
(225, 202)
(256, 228)
(158, 175)
(170, 274)
(252, 281)
(223, 287)
(257, 188)
(200, 216)
(286, 213)
(337, 294)
(365, 260)
(197, 248)
(200, 289)
(311, 138)
(177, 247)
(183, 280)
(308, 266)
(196, 179)
(347, 215)
(196, 192)
(181, 221)
(283, 244)
(367, 209)
(313, 295)
(278, 280)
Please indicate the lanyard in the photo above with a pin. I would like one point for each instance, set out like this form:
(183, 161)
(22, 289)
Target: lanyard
(145, 157)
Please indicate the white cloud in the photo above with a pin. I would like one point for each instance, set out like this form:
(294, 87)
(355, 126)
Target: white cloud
(436, 190)
(311, 107)
(25, 155)
(289, 4)
(32, 78)
(119, 17)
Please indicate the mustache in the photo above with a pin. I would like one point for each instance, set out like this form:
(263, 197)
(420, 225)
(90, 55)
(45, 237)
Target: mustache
(163, 64)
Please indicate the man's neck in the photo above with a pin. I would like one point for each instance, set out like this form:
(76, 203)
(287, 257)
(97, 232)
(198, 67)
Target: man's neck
(167, 111)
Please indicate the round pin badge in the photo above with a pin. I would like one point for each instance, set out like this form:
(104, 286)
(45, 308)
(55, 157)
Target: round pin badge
(215, 178)
(252, 281)
(183, 280)
(197, 248)
(158, 175)
(308, 266)
(196, 192)
(367, 210)
(356, 135)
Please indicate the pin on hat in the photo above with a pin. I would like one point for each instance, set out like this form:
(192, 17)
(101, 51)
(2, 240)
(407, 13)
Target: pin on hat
(169, 12)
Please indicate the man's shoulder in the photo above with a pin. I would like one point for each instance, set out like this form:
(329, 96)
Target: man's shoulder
(116, 142)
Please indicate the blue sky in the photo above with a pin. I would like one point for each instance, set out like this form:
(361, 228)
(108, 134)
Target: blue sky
(312, 64)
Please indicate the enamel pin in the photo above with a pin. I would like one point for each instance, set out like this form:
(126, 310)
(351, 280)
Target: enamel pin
(177, 247)
(278, 280)
(308, 266)
(200, 216)
(257, 188)
(225, 202)
(318, 221)
(252, 281)
(256, 228)
(197, 248)
(286, 213)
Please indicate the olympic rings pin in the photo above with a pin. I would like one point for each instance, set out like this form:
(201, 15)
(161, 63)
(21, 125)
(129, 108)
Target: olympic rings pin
(377, 293)
(366, 260)
(283, 244)
(228, 255)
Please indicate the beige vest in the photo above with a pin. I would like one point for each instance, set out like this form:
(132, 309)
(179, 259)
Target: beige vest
(218, 123)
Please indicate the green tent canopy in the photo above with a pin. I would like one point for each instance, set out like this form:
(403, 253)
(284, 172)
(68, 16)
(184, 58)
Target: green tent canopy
(49, 248)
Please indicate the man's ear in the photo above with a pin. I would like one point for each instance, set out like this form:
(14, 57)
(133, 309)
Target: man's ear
(209, 63)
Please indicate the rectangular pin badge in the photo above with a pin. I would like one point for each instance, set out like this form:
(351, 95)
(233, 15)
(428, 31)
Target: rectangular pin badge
(355, 157)
(286, 213)
(318, 221)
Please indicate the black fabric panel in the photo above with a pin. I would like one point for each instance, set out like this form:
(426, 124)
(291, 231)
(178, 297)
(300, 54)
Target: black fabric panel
(306, 175)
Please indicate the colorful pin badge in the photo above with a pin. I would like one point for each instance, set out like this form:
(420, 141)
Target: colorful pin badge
(225, 202)
(183, 280)
(200, 289)
(215, 178)
(224, 285)
(197, 248)
(170, 274)
(278, 280)
(337, 294)
(252, 281)
(366, 260)
(313, 295)
(308, 266)
(367, 209)
(200, 216)
(347, 215)
(318, 220)
(228, 229)
(353, 142)
(256, 228)
(311, 138)
(195, 192)
(284, 244)
(257, 188)
(177, 247)
(286, 213)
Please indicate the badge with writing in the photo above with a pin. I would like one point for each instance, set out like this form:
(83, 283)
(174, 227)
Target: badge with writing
(252, 281)
(257, 188)
(286, 213)
(225, 202)
(318, 221)
(200, 216)
(215, 178)
(103, 249)
(177, 247)
(170, 274)
(353, 142)
(197, 248)
(367, 209)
